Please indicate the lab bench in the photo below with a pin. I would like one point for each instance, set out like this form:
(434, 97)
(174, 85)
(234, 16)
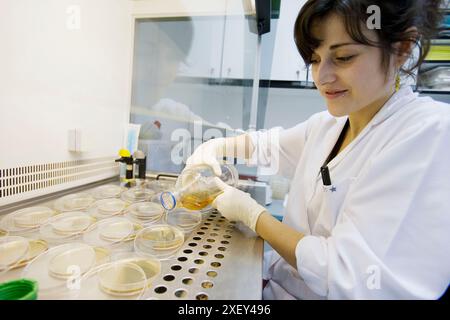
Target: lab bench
(218, 260)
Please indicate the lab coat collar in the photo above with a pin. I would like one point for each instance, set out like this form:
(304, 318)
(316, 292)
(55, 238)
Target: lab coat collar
(394, 104)
(404, 95)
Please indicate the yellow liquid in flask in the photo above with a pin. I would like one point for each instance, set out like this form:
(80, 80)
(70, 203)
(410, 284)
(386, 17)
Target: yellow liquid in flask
(199, 200)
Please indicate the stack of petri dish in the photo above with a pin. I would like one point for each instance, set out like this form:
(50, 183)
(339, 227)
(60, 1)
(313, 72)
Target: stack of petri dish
(137, 194)
(107, 191)
(26, 221)
(66, 227)
(111, 233)
(74, 202)
(58, 270)
(145, 213)
(186, 220)
(161, 241)
(106, 208)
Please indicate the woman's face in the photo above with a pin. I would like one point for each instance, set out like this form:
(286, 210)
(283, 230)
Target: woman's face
(348, 74)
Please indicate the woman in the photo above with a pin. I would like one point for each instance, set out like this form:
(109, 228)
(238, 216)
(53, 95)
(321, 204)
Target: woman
(368, 213)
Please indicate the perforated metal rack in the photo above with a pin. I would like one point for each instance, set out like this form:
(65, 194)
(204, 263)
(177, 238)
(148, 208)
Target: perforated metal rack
(218, 260)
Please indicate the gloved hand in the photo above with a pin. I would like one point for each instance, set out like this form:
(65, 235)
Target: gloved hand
(236, 205)
(210, 153)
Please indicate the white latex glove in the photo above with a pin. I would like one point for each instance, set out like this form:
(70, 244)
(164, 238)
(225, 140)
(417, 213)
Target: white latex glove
(236, 205)
(210, 153)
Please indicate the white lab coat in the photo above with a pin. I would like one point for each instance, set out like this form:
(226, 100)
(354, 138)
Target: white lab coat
(382, 231)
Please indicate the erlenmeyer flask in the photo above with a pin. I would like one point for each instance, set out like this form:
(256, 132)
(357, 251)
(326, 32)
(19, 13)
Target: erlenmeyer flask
(197, 188)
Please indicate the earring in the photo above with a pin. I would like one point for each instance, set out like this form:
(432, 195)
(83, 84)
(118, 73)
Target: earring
(397, 82)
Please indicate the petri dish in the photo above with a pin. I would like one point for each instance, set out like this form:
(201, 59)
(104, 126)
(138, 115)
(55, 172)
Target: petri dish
(114, 280)
(102, 255)
(26, 220)
(36, 247)
(186, 220)
(59, 269)
(160, 185)
(137, 194)
(74, 202)
(32, 217)
(12, 250)
(149, 264)
(145, 212)
(107, 191)
(61, 264)
(161, 240)
(111, 232)
(66, 226)
(107, 208)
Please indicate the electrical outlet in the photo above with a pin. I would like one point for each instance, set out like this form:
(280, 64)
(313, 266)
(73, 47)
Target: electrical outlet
(74, 140)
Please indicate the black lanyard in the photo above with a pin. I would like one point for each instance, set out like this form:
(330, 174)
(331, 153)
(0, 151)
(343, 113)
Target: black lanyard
(324, 168)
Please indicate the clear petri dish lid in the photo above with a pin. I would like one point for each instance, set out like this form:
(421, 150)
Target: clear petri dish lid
(114, 280)
(151, 265)
(107, 208)
(36, 247)
(146, 210)
(66, 226)
(160, 185)
(111, 232)
(26, 220)
(160, 240)
(137, 195)
(107, 191)
(12, 250)
(186, 220)
(58, 269)
(147, 216)
(74, 202)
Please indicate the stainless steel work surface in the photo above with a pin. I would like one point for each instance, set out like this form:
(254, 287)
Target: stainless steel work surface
(218, 260)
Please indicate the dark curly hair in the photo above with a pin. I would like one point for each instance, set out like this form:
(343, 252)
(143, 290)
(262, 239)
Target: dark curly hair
(396, 18)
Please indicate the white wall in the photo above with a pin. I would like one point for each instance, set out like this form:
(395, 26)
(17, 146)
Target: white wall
(54, 78)
(64, 64)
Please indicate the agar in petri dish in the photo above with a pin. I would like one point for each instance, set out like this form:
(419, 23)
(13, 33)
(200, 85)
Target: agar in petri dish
(117, 230)
(186, 220)
(107, 207)
(12, 250)
(70, 223)
(122, 278)
(107, 191)
(32, 217)
(26, 220)
(159, 240)
(137, 194)
(111, 232)
(36, 247)
(147, 212)
(81, 257)
(74, 202)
